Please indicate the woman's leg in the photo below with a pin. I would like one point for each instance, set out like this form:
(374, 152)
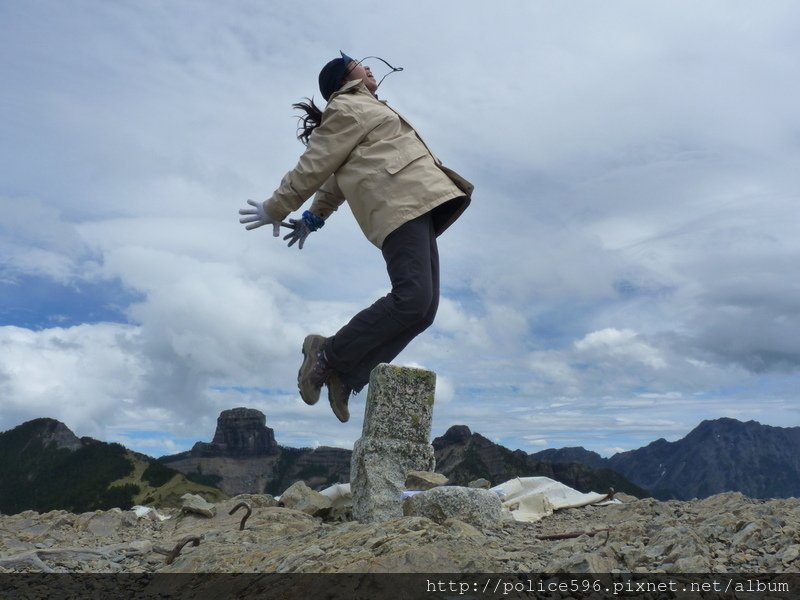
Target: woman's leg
(380, 332)
(359, 376)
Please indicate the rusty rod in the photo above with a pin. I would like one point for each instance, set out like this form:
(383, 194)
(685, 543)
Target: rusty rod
(247, 514)
(179, 546)
(575, 534)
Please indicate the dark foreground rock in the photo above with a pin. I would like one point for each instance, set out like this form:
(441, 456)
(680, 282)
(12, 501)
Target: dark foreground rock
(724, 533)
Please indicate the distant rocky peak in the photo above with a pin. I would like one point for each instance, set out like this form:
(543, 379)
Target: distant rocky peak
(572, 454)
(240, 432)
(457, 434)
(725, 425)
(51, 431)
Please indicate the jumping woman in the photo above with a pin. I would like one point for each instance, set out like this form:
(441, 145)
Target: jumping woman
(362, 151)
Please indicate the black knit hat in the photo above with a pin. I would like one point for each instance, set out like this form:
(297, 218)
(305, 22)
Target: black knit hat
(330, 78)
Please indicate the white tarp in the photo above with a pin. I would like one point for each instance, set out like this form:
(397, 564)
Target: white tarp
(532, 498)
(526, 498)
(340, 494)
(142, 511)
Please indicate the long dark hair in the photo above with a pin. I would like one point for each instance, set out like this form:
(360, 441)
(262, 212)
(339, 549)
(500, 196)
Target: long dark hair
(310, 121)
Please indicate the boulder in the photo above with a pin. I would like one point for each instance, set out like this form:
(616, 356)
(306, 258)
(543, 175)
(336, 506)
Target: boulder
(301, 497)
(598, 561)
(424, 480)
(379, 468)
(192, 503)
(481, 483)
(478, 507)
(400, 404)
(393, 442)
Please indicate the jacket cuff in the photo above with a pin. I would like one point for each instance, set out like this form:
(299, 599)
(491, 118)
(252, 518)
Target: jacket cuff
(275, 212)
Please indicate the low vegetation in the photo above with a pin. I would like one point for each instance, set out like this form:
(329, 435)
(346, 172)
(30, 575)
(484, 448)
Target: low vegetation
(36, 474)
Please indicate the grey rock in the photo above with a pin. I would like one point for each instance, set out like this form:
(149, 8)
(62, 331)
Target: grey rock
(424, 480)
(255, 500)
(393, 442)
(194, 504)
(464, 529)
(301, 497)
(379, 470)
(477, 507)
(646, 536)
(340, 513)
(583, 562)
(400, 404)
(623, 497)
(481, 483)
(692, 564)
(790, 554)
(101, 523)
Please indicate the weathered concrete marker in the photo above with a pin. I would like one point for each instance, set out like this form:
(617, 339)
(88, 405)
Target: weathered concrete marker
(394, 440)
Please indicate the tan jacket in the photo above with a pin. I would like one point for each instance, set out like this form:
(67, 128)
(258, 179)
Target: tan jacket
(367, 153)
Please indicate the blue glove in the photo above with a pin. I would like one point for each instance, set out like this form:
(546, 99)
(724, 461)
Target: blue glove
(302, 227)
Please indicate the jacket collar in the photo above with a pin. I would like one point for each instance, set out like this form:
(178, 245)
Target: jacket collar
(357, 85)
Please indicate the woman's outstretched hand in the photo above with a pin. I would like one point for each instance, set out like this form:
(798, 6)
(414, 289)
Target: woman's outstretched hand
(302, 227)
(299, 233)
(256, 217)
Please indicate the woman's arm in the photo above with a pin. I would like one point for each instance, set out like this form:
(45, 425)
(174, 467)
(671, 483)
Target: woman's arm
(327, 199)
(328, 148)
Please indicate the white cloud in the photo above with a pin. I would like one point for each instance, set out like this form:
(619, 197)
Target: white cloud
(611, 343)
(35, 240)
(445, 390)
(537, 442)
(80, 375)
(631, 247)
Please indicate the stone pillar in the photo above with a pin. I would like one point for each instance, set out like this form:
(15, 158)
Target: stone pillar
(394, 440)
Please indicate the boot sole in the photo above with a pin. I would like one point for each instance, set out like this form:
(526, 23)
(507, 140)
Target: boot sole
(335, 385)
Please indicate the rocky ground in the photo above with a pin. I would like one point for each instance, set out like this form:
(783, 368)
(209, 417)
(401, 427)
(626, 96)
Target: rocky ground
(724, 533)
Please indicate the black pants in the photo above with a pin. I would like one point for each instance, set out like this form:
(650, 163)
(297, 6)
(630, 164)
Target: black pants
(379, 333)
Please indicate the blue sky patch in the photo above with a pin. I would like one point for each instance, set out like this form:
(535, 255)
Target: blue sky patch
(38, 303)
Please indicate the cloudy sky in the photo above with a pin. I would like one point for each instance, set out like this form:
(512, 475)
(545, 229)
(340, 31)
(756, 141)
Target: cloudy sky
(630, 264)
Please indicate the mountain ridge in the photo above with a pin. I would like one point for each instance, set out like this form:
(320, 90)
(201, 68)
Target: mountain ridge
(42, 463)
(719, 455)
(44, 467)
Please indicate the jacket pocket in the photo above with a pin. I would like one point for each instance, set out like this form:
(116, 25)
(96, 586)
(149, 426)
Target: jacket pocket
(403, 158)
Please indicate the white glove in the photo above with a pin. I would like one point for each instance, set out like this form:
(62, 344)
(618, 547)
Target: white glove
(257, 216)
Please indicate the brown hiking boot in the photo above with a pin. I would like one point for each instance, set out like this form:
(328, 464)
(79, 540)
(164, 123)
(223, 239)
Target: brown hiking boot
(314, 372)
(338, 395)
